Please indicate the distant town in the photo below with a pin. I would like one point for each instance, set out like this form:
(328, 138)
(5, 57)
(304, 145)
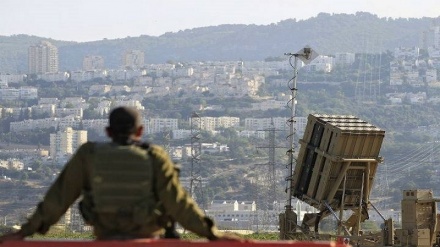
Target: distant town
(69, 121)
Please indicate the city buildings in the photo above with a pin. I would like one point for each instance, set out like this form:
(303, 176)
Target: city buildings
(133, 59)
(65, 142)
(91, 63)
(43, 58)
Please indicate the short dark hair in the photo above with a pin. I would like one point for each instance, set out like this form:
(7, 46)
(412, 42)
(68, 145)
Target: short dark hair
(124, 120)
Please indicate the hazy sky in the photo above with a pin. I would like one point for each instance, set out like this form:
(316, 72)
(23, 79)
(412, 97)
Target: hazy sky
(88, 20)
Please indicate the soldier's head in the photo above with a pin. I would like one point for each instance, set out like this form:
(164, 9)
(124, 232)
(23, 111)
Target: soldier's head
(124, 125)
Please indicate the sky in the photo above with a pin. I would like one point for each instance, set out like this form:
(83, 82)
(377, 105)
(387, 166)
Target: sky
(91, 20)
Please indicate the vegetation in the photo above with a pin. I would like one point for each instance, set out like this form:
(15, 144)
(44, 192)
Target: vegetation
(327, 33)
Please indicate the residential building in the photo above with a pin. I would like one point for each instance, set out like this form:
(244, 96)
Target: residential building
(27, 93)
(133, 59)
(43, 58)
(344, 59)
(65, 142)
(269, 104)
(47, 110)
(181, 134)
(64, 112)
(11, 78)
(321, 63)
(265, 123)
(252, 133)
(73, 102)
(402, 53)
(158, 125)
(57, 76)
(91, 63)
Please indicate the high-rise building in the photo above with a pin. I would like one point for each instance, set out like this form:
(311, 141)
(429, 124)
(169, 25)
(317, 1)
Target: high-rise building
(91, 63)
(133, 59)
(66, 142)
(43, 58)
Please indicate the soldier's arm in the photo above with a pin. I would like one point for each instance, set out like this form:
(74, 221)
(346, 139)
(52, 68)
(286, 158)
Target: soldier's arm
(61, 194)
(176, 200)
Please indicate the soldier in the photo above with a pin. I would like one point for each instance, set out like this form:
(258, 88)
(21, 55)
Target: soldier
(126, 188)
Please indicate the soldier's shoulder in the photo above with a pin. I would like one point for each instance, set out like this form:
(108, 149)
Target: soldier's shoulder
(88, 146)
(91, 147)
(157, 151)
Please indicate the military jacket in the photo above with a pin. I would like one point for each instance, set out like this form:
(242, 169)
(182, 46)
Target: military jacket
(79, 174)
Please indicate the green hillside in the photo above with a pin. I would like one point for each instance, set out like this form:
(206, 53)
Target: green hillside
(327, 33)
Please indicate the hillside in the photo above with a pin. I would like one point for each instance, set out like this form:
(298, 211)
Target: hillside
(327, 33)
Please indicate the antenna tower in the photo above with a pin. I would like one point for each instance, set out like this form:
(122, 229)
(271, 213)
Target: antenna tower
(271, 175)
(196, 151)
(288, 219)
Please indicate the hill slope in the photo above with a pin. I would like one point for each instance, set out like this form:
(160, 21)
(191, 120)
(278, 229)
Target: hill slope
(360, 32)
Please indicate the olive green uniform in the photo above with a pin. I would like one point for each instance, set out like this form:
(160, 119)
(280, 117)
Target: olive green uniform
(77, 179)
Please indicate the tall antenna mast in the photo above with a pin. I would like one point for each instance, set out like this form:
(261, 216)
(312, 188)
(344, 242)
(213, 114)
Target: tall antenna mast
(288, 218)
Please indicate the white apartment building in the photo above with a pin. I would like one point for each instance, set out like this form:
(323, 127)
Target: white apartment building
(55, 76)
(279, 123)
(213, 123)
(158, 125)
(79, 76)
(64, 112)
(207, 123)
(97, 125)
(73, 101)
(344, 59)
(12, 112)
(181, 134)
(22, 93)
(117, 90)
(9, 94)
(406, 52)
(99, 90)
(91, 63)
(227, 122)
(396, 78)
(140, 92)
(431, 75)
(45, 101)
(69, 121)
(417, 98)
(321, 63)
(133, 59)
(143, 80)
(13, 163)
(3, 84)
(44, 110)
(43, 58)
(269, 104)
(212, 148)
(265, 123)
(182, 72)
(12, 78)
(251, 133)
(27, 93)
(413, 78)
(127, 102)
(45, 123)
(434, 52)
(66, 142)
